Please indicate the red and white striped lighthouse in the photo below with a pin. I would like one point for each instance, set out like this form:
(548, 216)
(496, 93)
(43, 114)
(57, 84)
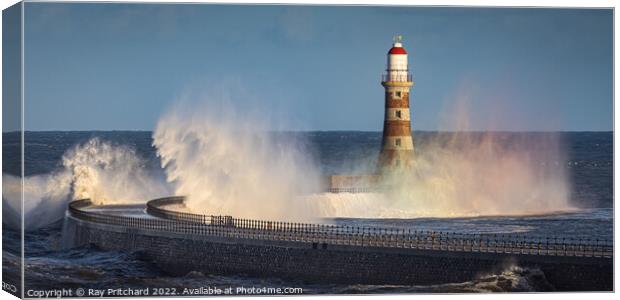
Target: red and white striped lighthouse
(397, 144)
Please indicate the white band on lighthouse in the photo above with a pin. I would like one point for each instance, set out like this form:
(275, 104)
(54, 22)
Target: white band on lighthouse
(398, 143)
(397, 114)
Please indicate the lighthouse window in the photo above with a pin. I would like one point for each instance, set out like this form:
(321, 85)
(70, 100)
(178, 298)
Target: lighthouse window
(397, 162)
(397, 142)
(399, 94)
(398, 114)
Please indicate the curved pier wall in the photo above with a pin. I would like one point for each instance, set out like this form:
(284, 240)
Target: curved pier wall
(179, 254)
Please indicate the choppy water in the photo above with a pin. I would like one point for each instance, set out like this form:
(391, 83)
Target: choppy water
(589, 159)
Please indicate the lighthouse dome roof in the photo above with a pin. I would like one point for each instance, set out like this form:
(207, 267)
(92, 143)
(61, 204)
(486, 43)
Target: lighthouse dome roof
(397, 48)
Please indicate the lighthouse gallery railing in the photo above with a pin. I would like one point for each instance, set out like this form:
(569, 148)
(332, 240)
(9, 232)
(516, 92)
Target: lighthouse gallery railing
(323, 235)
(390, 77)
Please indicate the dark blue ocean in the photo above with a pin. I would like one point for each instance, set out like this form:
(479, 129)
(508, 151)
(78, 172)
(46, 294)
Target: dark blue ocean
(588, 157)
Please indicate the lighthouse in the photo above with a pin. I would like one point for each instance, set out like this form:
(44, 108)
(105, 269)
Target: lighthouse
(397, 143)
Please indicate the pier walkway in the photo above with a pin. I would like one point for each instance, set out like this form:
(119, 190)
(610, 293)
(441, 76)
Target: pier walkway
(158, 217)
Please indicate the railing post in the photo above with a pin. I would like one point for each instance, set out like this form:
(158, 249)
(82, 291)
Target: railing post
(563, 246)
(595, 248)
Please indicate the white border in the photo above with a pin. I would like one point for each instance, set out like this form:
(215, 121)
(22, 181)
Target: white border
(486, 3)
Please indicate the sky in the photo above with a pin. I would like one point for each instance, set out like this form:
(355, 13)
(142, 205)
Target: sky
(102, 66)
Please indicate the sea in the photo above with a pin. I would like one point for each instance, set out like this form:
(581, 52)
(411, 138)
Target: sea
(48, 264)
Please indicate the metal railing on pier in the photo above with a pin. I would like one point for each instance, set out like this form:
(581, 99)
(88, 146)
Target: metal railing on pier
(322, 235)
(353, 190)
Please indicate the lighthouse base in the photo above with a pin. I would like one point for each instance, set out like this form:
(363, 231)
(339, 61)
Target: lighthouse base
(352, 183)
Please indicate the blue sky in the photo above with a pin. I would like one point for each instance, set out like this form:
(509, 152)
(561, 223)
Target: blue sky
(121, 66)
